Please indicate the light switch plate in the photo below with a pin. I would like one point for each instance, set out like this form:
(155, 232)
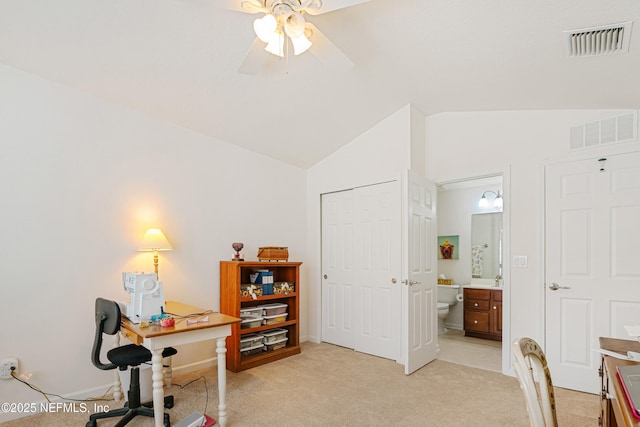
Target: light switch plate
(520, 261)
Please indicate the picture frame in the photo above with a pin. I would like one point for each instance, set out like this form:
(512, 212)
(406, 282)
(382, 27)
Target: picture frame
(448, 247)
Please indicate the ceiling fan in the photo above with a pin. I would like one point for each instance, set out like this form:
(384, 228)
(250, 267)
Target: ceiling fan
(283, 31)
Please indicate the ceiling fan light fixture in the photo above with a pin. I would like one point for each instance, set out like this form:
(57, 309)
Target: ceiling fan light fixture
(276, 44)
(294, 24)
(300, 44)
(265, 27)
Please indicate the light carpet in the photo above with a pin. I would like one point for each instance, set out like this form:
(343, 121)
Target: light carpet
(327, 385)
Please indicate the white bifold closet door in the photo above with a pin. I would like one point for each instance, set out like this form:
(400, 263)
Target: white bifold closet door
(361, 284)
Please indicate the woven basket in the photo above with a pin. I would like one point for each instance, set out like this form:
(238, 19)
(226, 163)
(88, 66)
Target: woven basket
(273, 253)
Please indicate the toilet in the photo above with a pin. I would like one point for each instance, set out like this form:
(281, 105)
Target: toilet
(446, 298)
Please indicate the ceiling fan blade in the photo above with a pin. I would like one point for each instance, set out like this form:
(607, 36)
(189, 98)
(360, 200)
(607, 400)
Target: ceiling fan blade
(331, 5)
(259, 62)
(255, 60)
(250, 6)
(326, 52)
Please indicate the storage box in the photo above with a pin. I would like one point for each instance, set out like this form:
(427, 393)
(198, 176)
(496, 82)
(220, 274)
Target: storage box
(249, 289)
(273, 253)
(252, 351)
(273, 309)
(250, 341)
(250, 322)
(251, 311)
(264, 277)
(283, 288)
(272, 320)
(273, 335)
(276, 345)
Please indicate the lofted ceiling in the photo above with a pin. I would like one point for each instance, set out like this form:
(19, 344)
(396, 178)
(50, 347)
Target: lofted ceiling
(178, 60)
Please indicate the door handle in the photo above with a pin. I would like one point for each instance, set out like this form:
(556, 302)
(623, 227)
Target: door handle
(410, 282)
(554, 287)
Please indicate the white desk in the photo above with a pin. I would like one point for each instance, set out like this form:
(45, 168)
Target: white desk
(156, 338)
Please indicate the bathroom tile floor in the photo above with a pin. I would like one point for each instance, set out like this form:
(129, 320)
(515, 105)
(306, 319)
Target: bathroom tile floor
(469, 351)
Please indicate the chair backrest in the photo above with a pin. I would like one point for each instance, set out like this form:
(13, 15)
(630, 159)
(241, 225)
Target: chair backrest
(108, 322)
(530, 363)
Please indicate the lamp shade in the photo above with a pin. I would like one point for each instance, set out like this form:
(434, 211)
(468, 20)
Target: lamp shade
(498, 202)
(154, 240)
(300, 44)
(276, 44)
(265, 27)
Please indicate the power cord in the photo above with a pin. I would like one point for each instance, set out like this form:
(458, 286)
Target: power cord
(206, 388)
(46, 394)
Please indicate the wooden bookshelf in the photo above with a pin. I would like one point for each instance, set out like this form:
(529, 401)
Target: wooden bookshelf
(235, 273)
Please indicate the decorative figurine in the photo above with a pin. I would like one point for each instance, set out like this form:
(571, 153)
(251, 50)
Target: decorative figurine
(237, 247)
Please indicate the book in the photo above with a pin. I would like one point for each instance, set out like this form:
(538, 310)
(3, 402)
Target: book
(630, 379)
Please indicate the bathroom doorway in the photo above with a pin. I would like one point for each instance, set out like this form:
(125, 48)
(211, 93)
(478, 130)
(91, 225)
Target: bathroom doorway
(473, 266)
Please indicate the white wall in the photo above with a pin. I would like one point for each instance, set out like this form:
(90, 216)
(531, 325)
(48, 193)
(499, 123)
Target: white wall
(474, 144)
(378, 155)
(80, 181)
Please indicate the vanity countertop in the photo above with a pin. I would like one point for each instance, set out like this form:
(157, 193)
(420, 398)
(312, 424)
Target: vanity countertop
(481, 286)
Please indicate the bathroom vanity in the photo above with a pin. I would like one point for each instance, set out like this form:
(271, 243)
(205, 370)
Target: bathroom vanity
(483, 312)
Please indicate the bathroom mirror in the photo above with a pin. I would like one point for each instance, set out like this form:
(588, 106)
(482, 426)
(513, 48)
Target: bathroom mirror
(486, 245)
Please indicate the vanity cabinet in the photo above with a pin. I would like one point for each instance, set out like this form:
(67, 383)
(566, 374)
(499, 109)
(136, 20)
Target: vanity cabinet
(483, 313)
(233, 274)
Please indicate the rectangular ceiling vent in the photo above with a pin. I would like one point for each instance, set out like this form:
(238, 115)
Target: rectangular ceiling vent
(602, 40)
(612, 130)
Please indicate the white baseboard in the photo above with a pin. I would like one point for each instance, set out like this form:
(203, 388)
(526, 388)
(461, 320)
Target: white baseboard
(25, 409)
(195, 366)
(43, 405)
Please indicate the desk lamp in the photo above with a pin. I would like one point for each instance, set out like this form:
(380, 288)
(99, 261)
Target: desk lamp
(154, 240)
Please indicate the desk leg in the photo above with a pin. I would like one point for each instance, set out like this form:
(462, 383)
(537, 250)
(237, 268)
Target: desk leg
(221, 349)
(158, 390)
(168, 371)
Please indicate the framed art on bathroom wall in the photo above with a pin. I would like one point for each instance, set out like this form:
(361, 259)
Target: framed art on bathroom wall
(448, 247)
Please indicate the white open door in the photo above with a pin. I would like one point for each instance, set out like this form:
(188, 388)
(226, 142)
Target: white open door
(419, 290)
(592, 262)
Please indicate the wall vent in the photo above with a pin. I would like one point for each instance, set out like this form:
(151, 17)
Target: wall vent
(602, 40)
(618, 129)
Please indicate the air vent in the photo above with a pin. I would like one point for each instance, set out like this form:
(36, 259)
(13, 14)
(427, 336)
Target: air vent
(611, 130)
(603, 40)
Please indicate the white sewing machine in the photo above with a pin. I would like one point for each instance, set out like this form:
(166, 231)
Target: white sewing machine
(146, 296)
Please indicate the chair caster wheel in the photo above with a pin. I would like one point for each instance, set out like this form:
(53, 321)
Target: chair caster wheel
(168, 402)
(167, 422)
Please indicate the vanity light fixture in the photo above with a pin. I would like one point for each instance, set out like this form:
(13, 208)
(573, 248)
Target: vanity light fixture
(154, 240)
(497, 202)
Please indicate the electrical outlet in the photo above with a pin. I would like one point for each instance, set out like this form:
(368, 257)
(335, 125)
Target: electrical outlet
(7, 365)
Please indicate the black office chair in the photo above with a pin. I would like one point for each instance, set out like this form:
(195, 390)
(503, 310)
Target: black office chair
(108, 322)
